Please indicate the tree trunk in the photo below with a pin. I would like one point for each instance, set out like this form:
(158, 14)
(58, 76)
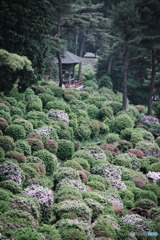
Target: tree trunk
(60, 68)
(109, 65)
(59, 53)
(76, 47)
(125, 65)
(152, 82)
(81, 55)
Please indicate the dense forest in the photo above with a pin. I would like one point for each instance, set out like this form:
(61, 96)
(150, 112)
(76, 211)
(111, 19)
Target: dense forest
(80, 164)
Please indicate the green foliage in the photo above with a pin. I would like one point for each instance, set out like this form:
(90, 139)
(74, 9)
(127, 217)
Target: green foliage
(37, 117)
(49, 160)
(65, 149)
(35, 144)
(73, 164)
(75, 234)
(123, 121)
(106, 81)
(96, 185)
(103, 229)
(80, 209)
(13, 66)
(34, 104)
(49, 232)
(82, 132)
(136, 137)
(126, 134)
(27, 233)
(11, 186)
(16, 111)
(112, 137)
(6, 116)
(68, 193)
(158, 141)
(83, 162)
(96, 207)
(16, 155)
(155, 167)
(65, 172)
(23, 144)
(15, 131)
(5, 194)
(105, 112)
(93, 111)
(7, 143)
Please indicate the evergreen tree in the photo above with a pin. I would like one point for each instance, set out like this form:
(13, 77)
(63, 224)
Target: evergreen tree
(150, 38)
(23, 27)
(125, 20)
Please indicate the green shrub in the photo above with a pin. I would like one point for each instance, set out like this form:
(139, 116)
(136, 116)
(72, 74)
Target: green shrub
(37, 117)
(158, 141)
(145, 204)
(19, 216)
(116, 106)
(1, 153)
(105, 111)
(98, 178)
(26, 124)
(64, 134)
(78, 208)
(136, 137)
(35, 144)
(27, 233)
(153, 188)
(71, 94)
(105, 81)
(65, 149)
(82, 132)
(16, 111)
(84, 163)
(84, 95)
(123, 121)
(29, 171)
(16, 155)
(73, 164)
(93, 111)
(34, 104)
(46, 97)
(67, 193)
(4, 107)
(29, 93)
(26, 204)
(84, 154)
(128, 160)
(5, 194)
(143, 194)
(112, 138)
(72, 233)
(155, 167)
(139, 179)
(103, 229)
(126, 195)
(4, 206)
(58, 105)
(6, 116)
(95, 128)
(22, 144)
(126, 134)
(11, 186)
(65, 172)
(51, 146)
(96, 207)
(49, 160)
(96, 185)
(124, 145)
(49, 232)
(148, 148)
(15, 131)
(3, 124)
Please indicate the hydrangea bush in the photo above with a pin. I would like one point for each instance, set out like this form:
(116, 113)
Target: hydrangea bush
(58, 115)
(47, 132)
(43, 195)
(9, 170)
